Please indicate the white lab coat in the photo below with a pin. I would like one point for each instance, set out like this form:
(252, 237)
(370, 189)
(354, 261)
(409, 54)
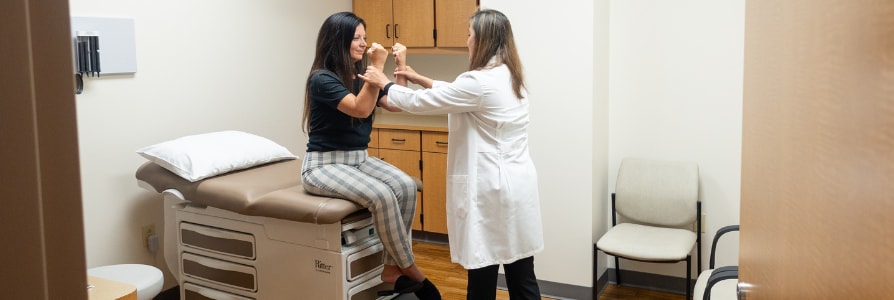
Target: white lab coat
(493, 207)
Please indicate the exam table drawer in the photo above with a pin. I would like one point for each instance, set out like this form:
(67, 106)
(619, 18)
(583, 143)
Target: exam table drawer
(197, 292)
(368, 290)
(364, 261)
(221, 241)
(221, 272)
(356, 228)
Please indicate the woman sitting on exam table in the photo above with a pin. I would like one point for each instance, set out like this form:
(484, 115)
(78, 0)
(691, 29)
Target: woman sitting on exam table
(493, 209)
(338, 116)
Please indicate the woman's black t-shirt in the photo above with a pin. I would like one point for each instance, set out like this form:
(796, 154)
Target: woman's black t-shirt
(331, 129)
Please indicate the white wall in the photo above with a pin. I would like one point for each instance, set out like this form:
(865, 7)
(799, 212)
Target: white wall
(601, 124)
(676, 93)
(556, 47)
(607, 79)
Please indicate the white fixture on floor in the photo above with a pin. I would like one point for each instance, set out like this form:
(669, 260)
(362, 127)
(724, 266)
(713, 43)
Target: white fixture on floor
(147, 279)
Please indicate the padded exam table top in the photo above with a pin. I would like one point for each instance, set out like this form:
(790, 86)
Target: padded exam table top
(272, 190)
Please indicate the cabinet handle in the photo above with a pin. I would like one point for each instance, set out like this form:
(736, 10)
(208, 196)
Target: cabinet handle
(439, 143)
(388, 31)
(398, 140)
(395, 32)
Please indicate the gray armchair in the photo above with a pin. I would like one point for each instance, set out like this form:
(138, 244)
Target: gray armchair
(658, 201)
(718, 283)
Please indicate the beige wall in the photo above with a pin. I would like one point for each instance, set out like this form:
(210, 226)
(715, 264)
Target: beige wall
(676, 93)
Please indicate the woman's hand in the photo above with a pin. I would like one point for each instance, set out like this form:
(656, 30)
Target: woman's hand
(375, 77)
(399, 51)
(377, 55)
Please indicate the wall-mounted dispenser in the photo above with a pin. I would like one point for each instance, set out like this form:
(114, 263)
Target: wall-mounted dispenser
(117, 54)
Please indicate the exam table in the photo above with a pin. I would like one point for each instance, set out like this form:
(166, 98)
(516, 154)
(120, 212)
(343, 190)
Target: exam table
(256, 234)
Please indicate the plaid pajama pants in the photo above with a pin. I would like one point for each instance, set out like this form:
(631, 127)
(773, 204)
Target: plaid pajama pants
(388, 193)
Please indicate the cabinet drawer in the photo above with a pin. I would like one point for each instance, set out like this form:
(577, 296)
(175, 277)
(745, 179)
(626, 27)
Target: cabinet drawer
(197, 292)
(399, 139)
(222, 241)
(433, 141)
(219, 271)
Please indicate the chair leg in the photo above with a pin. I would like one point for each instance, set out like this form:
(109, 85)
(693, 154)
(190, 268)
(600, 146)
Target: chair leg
(689, 277)
(617, 271)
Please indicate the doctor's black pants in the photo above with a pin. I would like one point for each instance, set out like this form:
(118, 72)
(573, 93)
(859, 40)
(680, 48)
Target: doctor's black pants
(520, 279)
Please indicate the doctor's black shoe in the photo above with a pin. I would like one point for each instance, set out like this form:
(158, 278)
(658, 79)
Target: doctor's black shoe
(403, 285)
(428, 291)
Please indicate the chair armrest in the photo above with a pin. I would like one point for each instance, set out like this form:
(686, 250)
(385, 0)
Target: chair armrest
(720, 232)
(718, 275)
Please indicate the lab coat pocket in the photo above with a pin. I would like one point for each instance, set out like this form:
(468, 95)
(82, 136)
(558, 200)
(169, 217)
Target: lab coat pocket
(458, 196)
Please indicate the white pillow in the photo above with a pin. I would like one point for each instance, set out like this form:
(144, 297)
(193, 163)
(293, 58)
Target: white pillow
(200, 156)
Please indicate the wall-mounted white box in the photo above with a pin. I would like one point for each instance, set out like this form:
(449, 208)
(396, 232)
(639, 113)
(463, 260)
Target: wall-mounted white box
(117, 44)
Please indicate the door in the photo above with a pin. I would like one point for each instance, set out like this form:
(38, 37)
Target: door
(434, 172)
(414, 23)
(452, 19)
(41, 221)
(409, 22)
(818, 150)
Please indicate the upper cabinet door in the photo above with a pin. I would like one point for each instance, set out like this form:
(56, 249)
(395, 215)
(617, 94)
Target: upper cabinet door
(453, 21)
(414, 22)
(377, 14)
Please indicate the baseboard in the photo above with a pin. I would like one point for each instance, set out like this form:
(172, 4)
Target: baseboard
(430, 237)
(601, 283)
(555, 290)
(649, 281)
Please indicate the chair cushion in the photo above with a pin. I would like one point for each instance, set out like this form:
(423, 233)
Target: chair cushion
(723, 290)
(647, 243)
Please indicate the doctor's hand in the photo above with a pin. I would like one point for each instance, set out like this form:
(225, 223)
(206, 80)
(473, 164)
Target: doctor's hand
(375, 77)
(411, 75)
(377, 55)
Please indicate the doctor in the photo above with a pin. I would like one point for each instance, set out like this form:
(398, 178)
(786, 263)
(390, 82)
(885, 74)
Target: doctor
(493, 207)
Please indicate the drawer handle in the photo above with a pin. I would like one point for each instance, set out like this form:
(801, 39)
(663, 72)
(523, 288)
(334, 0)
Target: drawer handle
(398, 140)
(441, 143)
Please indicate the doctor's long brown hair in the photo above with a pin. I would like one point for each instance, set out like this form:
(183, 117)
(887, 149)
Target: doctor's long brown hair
(333, 53)
(493, 37)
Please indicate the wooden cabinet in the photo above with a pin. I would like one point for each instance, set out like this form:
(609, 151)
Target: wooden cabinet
(434, 170)
(420, 152)
(409, 22)
(452, 22)
(418, 24)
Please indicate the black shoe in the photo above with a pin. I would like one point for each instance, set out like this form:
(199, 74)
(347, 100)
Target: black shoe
(403, 285)
(428, 291)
